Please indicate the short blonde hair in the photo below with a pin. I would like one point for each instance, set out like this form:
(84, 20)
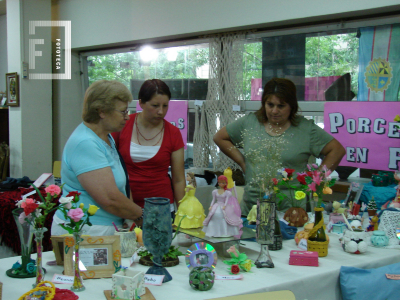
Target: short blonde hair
(101, 96)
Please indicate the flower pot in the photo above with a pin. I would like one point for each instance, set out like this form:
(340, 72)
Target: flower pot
(372, 212)
(296, 216)
(128, 284)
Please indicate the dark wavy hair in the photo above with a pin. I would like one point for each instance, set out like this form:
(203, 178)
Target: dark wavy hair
(285, 90)
(152, 87)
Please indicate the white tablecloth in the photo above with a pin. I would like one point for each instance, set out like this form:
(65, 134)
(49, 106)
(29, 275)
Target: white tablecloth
(311, 283)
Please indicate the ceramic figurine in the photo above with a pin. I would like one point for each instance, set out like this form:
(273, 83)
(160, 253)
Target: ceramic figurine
(353, 241)
(190, 206)
(222, 220)
(252, 216)
(233, 201)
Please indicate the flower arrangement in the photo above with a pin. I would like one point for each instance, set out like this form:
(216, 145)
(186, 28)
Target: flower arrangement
(78, 216)
(317, 180)
(296, 192)
(264, 157)
(238, 261)
(35, 213)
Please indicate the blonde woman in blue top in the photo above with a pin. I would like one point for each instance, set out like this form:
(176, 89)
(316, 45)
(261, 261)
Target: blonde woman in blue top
(91, 164)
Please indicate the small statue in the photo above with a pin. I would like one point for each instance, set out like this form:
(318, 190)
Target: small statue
(190, 206)
(222, 220)
(233, 201)
(337, 209)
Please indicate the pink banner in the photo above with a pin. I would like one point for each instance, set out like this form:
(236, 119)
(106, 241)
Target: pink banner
(316, 87)
(256, 88)
(177, 115)
(367, 132)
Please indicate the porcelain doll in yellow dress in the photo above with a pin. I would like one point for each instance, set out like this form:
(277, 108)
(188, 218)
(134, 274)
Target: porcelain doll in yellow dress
(190, 206)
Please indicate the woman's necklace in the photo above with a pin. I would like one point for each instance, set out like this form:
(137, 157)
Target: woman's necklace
(276, 131)
(138, 133)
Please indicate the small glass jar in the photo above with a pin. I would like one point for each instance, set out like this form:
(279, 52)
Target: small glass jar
(379, 239)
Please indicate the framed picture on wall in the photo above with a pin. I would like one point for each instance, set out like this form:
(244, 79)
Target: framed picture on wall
(12, 93)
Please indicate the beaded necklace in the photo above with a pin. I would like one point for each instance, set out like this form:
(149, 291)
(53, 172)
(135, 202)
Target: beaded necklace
(138, 133)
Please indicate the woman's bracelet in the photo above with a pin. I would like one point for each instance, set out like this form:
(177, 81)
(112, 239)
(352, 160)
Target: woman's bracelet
(141, 217)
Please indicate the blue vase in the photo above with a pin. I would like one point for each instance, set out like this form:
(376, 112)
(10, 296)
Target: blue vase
(157, 233)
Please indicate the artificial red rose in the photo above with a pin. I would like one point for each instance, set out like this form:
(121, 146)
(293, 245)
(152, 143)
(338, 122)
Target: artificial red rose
(235, 269)
(29, 206)
(310, 173)
(74, 194)
(275, 181)
(302, 179)
(289, 172)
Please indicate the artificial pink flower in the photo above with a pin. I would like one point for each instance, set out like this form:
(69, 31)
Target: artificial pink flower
(233, 250)
(312, 187)
(75, 214)
(53, 190)
(29, 206)
(317, 179)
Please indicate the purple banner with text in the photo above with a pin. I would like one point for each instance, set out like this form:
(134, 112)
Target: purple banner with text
(367, 131)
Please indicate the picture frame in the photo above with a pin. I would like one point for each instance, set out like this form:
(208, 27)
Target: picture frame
(100, 256)
(353, 193)
(201, 255)
(12, 93)
(57, 242)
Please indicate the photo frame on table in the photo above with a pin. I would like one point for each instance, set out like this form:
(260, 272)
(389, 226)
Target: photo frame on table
(201, 255)
(57, 242)
(353, 193)
(100, 255)
(12, 93)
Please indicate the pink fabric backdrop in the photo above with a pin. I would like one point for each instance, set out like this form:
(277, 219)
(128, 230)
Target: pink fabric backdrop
(316, 87)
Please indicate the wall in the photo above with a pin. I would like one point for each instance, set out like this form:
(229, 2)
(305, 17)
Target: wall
(30, 123)
(102, 22)
(3, 52)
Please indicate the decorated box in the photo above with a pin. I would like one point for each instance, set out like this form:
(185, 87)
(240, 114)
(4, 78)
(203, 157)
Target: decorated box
(128, 284)
(303, 258)
(339, 227)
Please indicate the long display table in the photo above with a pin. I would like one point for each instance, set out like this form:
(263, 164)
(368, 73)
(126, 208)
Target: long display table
(305, 282)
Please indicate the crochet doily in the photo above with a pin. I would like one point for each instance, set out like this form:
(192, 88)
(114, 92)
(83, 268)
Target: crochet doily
(389, 222)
